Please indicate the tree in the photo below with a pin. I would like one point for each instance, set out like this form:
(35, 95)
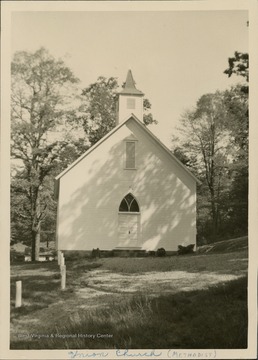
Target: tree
(147, 116)
(20, 211)
(239, 65)
(205, 147)
(100, 108)
(236, 100)
(214, 145)
(236, 105)
(21, 217)
(40, 102)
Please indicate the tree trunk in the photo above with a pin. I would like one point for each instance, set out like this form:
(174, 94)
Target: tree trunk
(214, 215)
(35, 244)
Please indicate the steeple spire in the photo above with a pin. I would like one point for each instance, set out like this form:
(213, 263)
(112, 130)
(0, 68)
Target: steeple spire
(129, 87)
(130, 100)
(130, 83)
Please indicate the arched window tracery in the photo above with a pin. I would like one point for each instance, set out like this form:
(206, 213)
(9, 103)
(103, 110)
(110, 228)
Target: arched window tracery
(129, 204)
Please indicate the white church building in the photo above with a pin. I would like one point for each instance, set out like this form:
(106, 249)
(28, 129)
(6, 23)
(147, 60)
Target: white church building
(128, 191)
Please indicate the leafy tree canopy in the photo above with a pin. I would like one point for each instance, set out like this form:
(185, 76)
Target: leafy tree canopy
(40, 101)
(239, 65)
(209, 141)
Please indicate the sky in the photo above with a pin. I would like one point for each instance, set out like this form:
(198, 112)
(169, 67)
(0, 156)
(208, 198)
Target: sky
(175, 56)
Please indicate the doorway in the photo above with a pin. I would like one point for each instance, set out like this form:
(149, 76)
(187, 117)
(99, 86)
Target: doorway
(128, 222)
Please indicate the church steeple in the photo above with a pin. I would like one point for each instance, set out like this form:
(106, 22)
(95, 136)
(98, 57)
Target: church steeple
(130, 100)
(129, 87)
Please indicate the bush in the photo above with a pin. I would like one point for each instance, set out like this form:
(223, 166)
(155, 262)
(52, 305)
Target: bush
(95, 253)
(182, 250)
(106, 253)
(74, 255)
(16, 256)
(161, 252)
(151, 253)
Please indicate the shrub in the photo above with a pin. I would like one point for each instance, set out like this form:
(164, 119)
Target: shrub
(151, 253)
(95, 253)
(16, 256)
(182, 250)
(72, 255)
(161, 252)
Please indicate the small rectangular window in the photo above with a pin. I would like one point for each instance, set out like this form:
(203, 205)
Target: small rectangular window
(130, 155)
(130, 103)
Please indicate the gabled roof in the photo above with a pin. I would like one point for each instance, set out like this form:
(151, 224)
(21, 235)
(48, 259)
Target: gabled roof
(129, 88)
(131, 117)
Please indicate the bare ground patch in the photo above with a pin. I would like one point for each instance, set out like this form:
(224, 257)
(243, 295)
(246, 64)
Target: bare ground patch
(151, 283)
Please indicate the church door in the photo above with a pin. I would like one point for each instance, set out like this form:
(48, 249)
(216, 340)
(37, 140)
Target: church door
(128, 222)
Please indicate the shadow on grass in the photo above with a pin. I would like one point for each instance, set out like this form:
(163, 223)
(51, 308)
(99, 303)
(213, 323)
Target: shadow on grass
(214, 318)
(35, 265)
(37, 293)
(41, 283)
(227, 263)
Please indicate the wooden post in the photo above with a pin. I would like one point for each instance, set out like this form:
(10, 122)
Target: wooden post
(18, 298)
(59, 256)
(62, 259)
(63, 276)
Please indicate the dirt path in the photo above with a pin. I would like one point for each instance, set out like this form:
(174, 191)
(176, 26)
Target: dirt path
(151, 283)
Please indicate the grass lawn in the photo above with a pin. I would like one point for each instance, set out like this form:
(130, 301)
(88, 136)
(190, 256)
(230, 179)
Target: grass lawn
(217, 263)
(183, 302)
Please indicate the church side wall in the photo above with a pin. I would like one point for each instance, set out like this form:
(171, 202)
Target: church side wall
(90, 194)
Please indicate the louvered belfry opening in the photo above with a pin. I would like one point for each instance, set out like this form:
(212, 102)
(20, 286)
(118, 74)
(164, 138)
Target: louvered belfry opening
(129, 204)
(130, 155)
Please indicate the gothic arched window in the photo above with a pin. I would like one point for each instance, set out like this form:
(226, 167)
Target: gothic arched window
(129, 204)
